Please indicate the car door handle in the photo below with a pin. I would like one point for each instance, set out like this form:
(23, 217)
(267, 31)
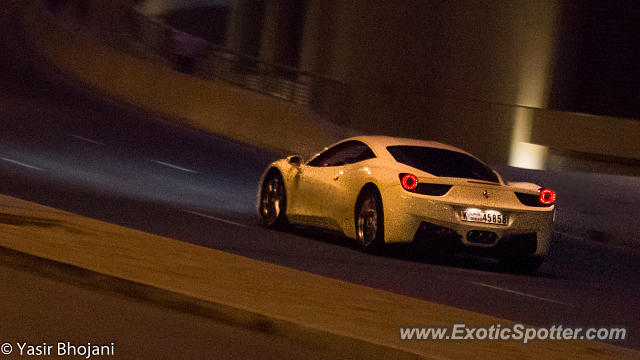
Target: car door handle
(337, 177)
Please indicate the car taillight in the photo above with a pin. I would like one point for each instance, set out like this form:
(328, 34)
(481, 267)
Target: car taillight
(547, 197)
(544, 198)
(409, 181)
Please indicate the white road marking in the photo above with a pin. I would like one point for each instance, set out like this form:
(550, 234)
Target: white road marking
(215, 218)
(174, 166)
(520, 293)
(21, 164)
(86, 139)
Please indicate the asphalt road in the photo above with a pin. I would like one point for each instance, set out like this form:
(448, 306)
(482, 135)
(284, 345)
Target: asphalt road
(73, 150)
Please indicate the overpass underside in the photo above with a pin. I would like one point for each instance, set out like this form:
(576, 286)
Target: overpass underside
(503, 79)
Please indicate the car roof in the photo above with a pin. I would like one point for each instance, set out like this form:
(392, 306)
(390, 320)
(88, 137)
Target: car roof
(379, 143)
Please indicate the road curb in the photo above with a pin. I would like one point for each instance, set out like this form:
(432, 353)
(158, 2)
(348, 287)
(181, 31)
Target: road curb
(58, 271)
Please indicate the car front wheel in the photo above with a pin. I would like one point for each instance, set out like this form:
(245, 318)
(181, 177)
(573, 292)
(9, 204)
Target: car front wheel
(273, 201)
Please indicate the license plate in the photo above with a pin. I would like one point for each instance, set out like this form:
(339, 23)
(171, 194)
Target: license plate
(485, 216)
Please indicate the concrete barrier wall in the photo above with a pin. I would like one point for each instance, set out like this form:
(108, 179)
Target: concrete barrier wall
(233, 112)
(604, 135)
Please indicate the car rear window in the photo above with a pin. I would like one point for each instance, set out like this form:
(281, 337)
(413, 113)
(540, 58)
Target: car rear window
(441, 162)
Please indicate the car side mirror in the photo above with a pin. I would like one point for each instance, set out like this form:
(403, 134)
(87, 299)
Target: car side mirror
(295, 160)
(500, 179)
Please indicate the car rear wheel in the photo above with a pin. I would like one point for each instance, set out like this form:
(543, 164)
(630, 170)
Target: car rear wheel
(370, 221)
(273, 201)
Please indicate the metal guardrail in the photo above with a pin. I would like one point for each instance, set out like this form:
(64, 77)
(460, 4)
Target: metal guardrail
(120, 25)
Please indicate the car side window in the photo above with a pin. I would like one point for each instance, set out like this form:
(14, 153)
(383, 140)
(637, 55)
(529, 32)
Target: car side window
(349, 152)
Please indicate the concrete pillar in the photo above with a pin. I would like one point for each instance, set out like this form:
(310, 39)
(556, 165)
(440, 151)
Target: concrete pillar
(312, 43)
(282, 30)
(268, 41)
(244, 31)
(234, 26)
(534, 75)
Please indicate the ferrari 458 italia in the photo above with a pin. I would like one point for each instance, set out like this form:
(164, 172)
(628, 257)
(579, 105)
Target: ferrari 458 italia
(379, 190)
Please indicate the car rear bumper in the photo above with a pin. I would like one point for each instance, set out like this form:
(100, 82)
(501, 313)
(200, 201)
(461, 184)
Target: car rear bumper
(409, 217)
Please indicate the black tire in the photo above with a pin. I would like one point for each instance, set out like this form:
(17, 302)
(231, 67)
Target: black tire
(521, 264)
(369, 220)
(273, 201)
